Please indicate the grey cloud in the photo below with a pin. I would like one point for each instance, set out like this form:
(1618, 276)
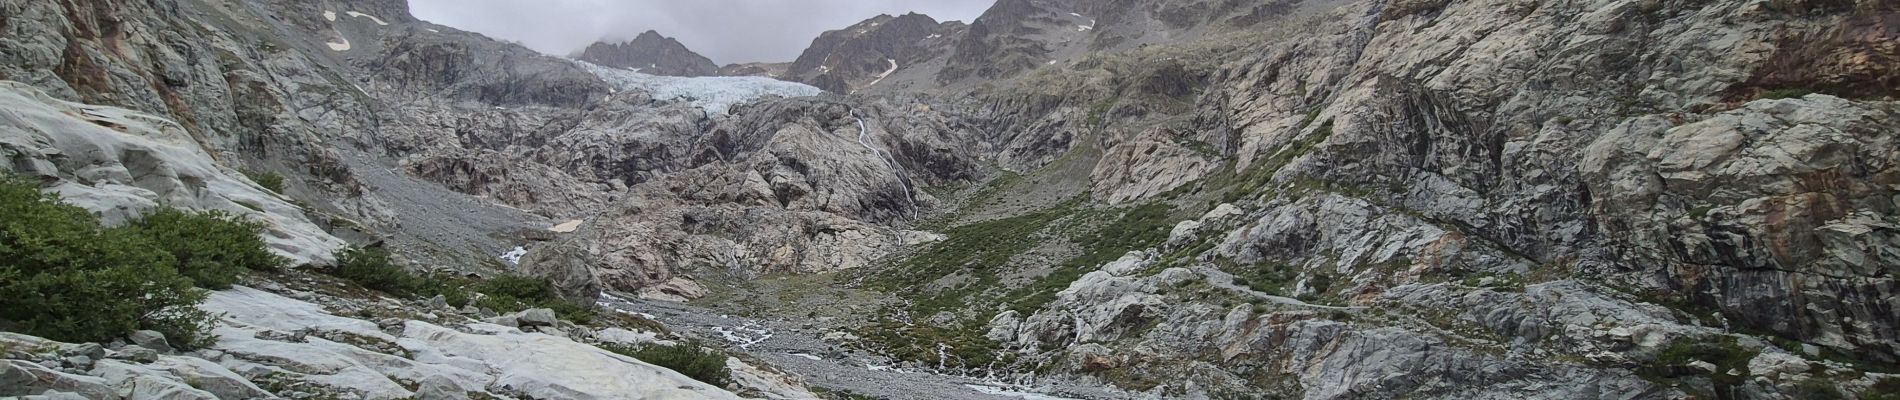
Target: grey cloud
(727, 31)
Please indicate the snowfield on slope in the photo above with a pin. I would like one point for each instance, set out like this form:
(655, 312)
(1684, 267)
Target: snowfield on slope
(715, 94)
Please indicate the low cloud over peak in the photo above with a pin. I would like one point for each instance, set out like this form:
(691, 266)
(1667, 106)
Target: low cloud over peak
(727, 31)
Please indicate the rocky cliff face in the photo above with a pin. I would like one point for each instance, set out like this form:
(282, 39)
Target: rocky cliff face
(650, 53)
(1490, 169)
(1422, 185)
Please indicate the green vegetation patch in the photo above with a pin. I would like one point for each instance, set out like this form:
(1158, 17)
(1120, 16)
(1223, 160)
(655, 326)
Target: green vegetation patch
(373, 269)
(978, 250)
(267, 179)
(686, 358)
(64, 276)
(1136, 228)
(1238, 184)
(1885, 389)
(1785, 93)
(1724, 352)
(1270, 278)
(959, 346)
(213, 248)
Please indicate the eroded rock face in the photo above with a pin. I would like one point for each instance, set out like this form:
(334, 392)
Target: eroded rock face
(787, 186)
(1496, 168)
(1779, 213)
(650, 53)
(121, 164)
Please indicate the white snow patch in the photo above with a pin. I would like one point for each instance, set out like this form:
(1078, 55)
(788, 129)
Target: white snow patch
(334, 46)
(329, 16)
(887, 73)
(431, 30)
(1052, 62)
(379, 21)
(1083, 28)
(807, 356)
(934, 36)
(569, 226)
(1076, 15)
(715, 94)
(514, 256)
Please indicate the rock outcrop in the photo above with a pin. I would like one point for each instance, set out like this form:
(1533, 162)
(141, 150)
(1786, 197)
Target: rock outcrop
(269, 345)
(650, 53)
(786, 186)
(121, 164)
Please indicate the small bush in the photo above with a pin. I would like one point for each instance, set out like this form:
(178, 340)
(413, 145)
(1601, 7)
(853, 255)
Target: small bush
(1816, 389)
(687, 359)
(66, 278)
(267, 179)
(372, 269)
(1723, 352)
(1777, 94)
(213, 248)
(509, 293)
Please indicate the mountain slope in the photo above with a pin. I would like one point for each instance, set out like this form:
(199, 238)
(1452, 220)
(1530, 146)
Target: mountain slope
(1416, 186)
(861, 56)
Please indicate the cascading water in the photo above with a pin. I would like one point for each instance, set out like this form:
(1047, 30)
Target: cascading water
(864, 134)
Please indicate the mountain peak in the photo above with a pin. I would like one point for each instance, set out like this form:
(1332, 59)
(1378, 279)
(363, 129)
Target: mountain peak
(652, 53)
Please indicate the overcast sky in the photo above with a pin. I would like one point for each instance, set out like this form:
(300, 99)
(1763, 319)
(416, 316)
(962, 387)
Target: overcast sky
(728, 31)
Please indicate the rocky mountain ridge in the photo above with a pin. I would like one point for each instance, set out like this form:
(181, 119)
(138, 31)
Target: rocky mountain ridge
(651, 53)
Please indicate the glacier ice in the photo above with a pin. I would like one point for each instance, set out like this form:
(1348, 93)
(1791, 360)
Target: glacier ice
(715, 94)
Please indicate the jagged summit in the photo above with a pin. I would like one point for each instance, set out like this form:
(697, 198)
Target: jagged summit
(650, 53)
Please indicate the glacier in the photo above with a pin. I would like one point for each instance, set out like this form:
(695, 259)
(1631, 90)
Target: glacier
(715, 94)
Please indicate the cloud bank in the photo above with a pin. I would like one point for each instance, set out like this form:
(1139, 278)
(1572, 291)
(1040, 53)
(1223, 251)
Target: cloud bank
(728, 31)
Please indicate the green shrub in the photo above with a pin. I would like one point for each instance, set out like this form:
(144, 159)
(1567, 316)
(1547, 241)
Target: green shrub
(1136, 228)
(1816, 389)
(1722, 351)
(961, 345)
(212, 248)
(66, 278)
(1777, 94)
(372, 269)
(267, 179)
(687, 359)
(509, 293)
(1884, 389)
